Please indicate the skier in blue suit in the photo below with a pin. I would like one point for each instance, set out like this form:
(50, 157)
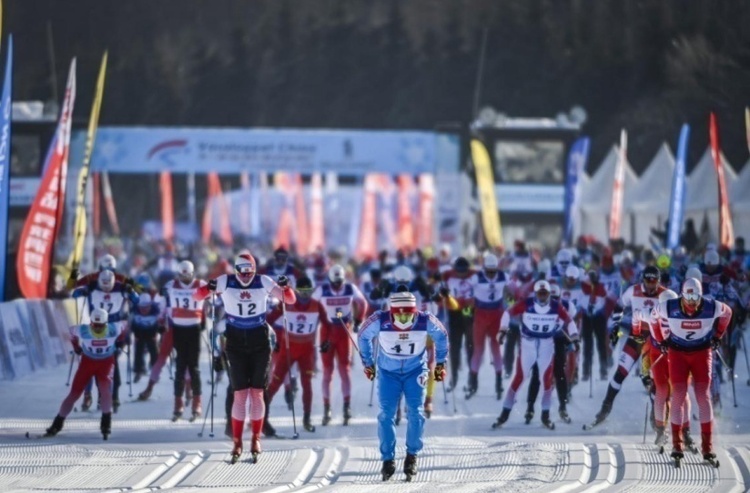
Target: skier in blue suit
(400, 363)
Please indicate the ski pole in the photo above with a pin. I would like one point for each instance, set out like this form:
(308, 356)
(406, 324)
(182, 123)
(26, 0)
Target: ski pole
(289, 360)
(747, 362)
(211, 352)
(130, 374)
(70, 369)
(645, 423)
(730, 372)
(205, 418)
(171, 361)
(375, 359)
(591, 382)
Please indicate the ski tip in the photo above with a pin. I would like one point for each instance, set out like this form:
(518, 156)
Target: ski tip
(295, 436)
(28, 435)
(211, 435)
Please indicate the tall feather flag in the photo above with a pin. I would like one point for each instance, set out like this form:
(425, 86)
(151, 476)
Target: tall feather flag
(486, 185)
(109, 204)
(79, 230)
(426, 209)
(405, 213)
(747, 127)
(677, 204)
(300, 216)
(285, 230)
(6, 105)
(96, 205)
(37, 241)
(317, 228)
(726, 229)
(216, 203)
(245, 201)
(618, 189)
(367, 240)
(167, 205)
(577, 158)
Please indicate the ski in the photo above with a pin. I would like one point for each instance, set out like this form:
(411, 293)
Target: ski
(549, 425)
(497, 424)
(194, 417)
(468, 394)
(234, 459)
(176, 417)
(711, 459)
(677, 457)
(528, 417)
(254, 457)
(38, 436)
(565, 417)
(408, 478)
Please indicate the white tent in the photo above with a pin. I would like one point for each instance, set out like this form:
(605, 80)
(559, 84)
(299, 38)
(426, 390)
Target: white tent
(596, 199)
(648, 205)
(702, 198)
(739, 195)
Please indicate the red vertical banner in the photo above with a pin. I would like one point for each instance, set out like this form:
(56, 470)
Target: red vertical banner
(367, 239)
(618, 188)
(96, 205)
(285, 230)
(726, 228)
(167, 205)
(405, 214)
(244, 209)
(207, 224)
(220, 205)
(37, 240)
(426, 210)
(317, 229)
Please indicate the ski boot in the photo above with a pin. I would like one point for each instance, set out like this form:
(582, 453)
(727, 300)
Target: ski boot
(499, 386)
(106, 425)
(564, 416)
(710, 457)
(471, 387)
(603, 412)
(87, 401)
(196, 408)
(179, 407)
(236, 450)
(347, 413)
(677, 454)
(687, 438)
(388, 469)
(255, 447)
(143, 396)
(410, 466)
(268, 430)
(428, 407)
(546, 422)
(115, 405)
(326, 414)
(501, 419)
(57, 425)
(661, 438)
(529, 414)
(307, 424)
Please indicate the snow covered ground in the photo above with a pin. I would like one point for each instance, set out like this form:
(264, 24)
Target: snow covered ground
(146, 451)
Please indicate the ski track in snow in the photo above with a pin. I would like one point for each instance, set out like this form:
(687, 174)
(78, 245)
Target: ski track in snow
(147, 452)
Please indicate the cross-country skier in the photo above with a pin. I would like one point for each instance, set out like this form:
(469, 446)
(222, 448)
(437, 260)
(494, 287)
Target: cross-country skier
(144, 326)
(401, 369)
(96, 343)
(541, 318)
(247, 341)
(460, 321)
(692, 326)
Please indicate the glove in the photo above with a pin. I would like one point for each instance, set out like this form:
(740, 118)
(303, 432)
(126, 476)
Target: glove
(576, 345)
(355, 327)
(283, 281)
(439, 372)
(614, 336)
(444, 292)
(77, 349)
(664, 347)
(715, 343)
(590, 310)
(218, 364)
(370, 372)
(212, 285)
(325, 346)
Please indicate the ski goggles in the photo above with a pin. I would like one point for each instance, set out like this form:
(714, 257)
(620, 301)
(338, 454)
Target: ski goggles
(692, 297)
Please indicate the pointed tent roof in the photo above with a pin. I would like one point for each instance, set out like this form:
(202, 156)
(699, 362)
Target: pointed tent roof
(738, 191)
(655, 191)
(702, 188)
(597, 193)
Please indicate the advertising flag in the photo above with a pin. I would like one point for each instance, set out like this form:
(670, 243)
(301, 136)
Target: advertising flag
(405, 213)
(79, 230)
(618, 189)
(426, 209)
(167, 205)
(6, 104)
(577, 158)
(677, 203)
(317, 228)
(726, 229)
(109, 203)
(486, 187)
(367, 241)
(37, 241)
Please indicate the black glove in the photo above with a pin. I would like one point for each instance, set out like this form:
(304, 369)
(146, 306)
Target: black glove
(282, 281)
(715, 343)
(325, 346)
(77, 349)
(439, 373)
(160, 328)
(355, 327)
(614, 336)
(576, 345)
(664, 347)
(218, 364)
(212, 285)
(444, 292)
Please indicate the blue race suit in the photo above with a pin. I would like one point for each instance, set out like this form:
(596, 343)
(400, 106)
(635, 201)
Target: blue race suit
(401, 361)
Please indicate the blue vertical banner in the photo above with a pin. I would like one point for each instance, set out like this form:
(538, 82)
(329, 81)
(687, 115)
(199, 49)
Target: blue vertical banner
(677, 204)
(577, 158)
(5, 116)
